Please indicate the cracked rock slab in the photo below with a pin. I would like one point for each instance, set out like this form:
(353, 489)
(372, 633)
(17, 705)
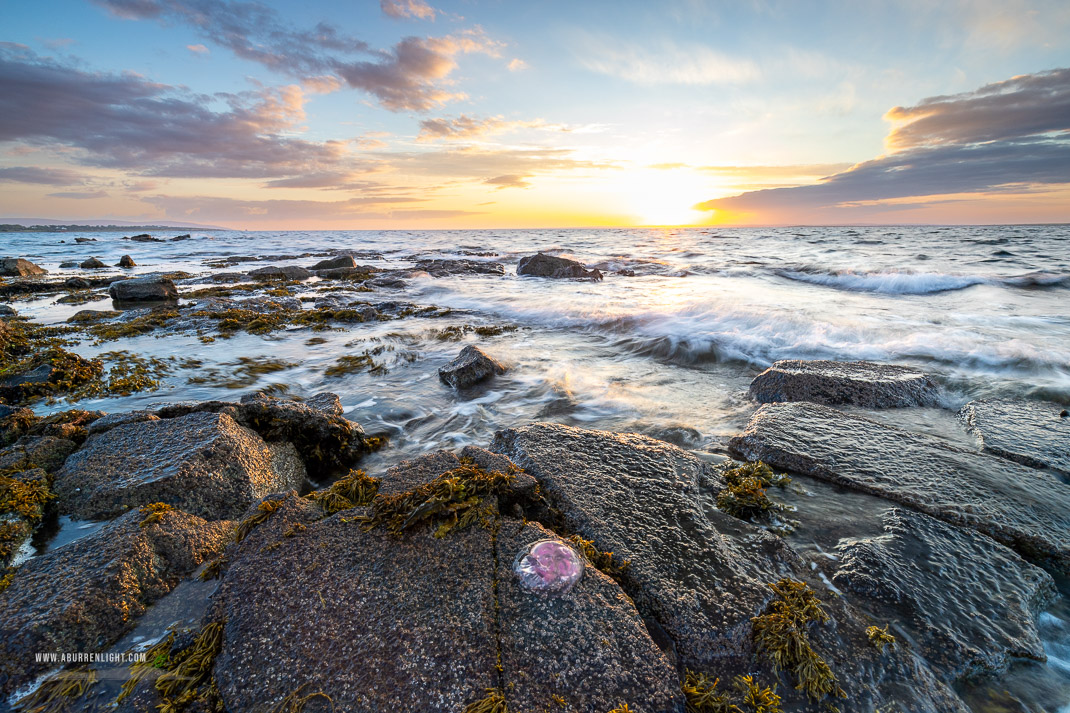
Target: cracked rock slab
(1025, 509)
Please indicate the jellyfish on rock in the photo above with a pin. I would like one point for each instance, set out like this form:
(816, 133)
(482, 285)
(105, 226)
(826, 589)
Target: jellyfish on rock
(548, 567)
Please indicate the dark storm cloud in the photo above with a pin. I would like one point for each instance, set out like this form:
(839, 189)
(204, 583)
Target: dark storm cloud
(42, 176)
(125, 121)
(405, 78)
(1011, 134)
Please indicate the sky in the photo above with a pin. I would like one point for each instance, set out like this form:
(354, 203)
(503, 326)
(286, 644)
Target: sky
(420, 114)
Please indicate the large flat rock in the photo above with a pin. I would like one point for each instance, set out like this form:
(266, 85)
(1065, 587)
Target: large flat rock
(203, 463)
(1030, 432)
(968, 601)
(1025, 509)
(695, 571)
(859, 383)
(83, 596)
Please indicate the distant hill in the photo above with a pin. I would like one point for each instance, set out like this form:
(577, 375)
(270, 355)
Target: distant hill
(11, 225)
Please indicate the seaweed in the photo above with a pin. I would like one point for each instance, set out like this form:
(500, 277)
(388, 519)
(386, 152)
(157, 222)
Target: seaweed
(135, 327)
(5, 581)
(189, 668)
(153, 513)
(24, 498)
(760, 699)
(454, 500)
(213, 569)
(356, 488)
(493, 702)
(604, 562)
(744, 495)
(295, 702)
(351, 364)
(247, 370)
(263, 512)
(58, 691)
(622, 708)
(701, 695)
(780, 635)
(880, 637)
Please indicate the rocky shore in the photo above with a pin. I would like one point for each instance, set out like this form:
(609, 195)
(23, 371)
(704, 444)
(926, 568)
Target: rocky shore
(288, 578)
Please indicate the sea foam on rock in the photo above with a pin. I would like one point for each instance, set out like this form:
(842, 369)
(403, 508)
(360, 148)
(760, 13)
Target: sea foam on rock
(1025, 509)
(858, 383)
(203, 463)
(1031, 432)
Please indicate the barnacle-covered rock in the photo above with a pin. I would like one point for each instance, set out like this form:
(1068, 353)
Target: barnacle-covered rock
(859, 383)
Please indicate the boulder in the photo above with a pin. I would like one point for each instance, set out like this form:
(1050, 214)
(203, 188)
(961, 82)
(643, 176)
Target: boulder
(1025, 509)
(18, 267)
(471, 366)
(325, 440)
(385, 281)
(203, 463)
(186, 236)
(342, 273)
(969, 603)
(91, 264)
(696, 573)
(68, 264)
(126, 261)
(1033, 433)
(77, 283)
(85, 240)
(858, 383)
(442, 268)
(541, 265)
(7, 311)
(144, 238)
(340, 261)
(111, 420)
(85, 595)
(290, 272)
(144, 289)
(47, 452)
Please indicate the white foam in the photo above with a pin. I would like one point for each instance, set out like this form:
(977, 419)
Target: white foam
(893, 282)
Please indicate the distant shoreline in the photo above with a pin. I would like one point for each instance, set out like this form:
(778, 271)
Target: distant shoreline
(15, 228)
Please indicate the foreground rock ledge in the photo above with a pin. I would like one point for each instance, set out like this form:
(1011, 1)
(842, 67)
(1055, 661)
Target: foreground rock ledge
(858, 383)
(1025, 509)
(1033, 433)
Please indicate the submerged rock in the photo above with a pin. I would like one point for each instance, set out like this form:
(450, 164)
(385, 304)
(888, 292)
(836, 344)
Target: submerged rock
(185, 236)
(335, 262)
(144, 289)
(699, 573)
(126, 261)
(541, 265)
(1033, 433)
(1024, 509)
(470, 367)
(83, 596)
(291, 272)
(89, 316)
(91, 264)
(969, 602)
(859, 383)
(442, 268)
(204, 463)
(18, 267)
(144, 238)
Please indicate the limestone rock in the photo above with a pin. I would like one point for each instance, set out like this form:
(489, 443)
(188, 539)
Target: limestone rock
(471, 366)
(1025, 509)
(144, 289)
(85, 595)
(859, 383)
(541, 265)
(1030, 432)
(969, 602)
(203, 463)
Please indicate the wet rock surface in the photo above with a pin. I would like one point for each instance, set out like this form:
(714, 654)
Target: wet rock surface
(82, 597)
(126, 261)
(1025, 509)
(859, 383)
(18, 267)
(144, 289)
(542, 265)
(470, 367)
(92, 264)
(290, 272)
(968, 602)
(443, 268)
(341, 261)
(1030, 432)
(699, 573)
(203, 463)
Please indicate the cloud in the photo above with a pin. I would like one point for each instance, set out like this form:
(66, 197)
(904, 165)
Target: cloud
(79, 195)
(1003, 137)
(125, 121)
(218, 209)
(411, 76)
(511, 180)
(517, 65)
(469, 127)
(669, 63)
(1022, 106)
(198, 49)
(402, 9)
(42, 176)
(479, 163)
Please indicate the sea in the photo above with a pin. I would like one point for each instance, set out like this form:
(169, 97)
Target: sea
(666, 344)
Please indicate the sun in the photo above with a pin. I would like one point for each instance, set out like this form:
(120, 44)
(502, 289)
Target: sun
(659, 197)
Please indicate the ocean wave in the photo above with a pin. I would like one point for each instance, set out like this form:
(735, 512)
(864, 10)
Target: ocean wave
(907, 282)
